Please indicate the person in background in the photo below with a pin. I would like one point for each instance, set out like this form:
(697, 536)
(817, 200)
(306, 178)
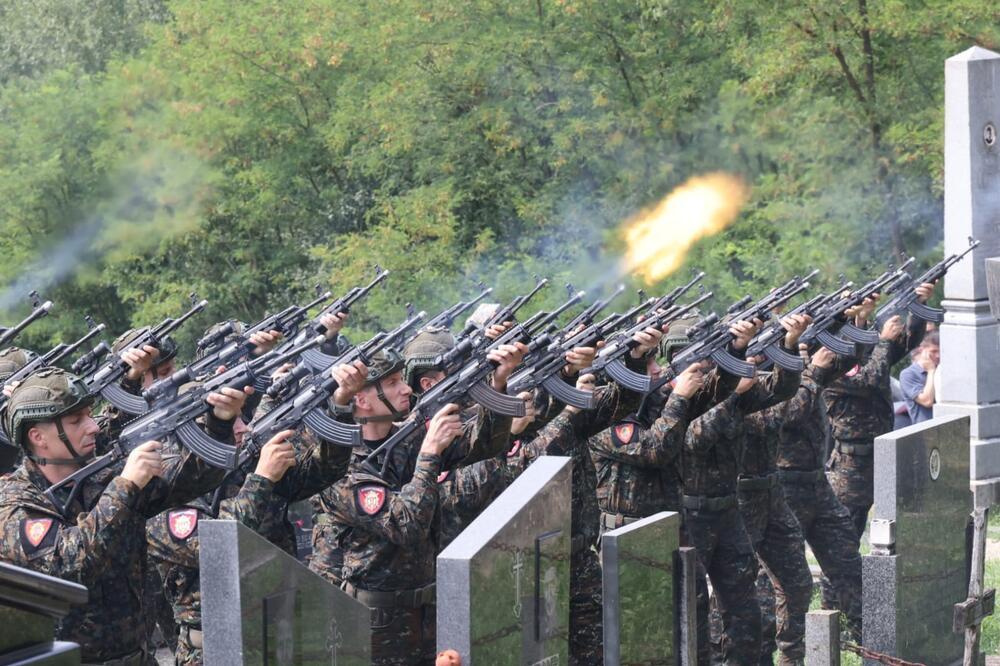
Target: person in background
(917, 381)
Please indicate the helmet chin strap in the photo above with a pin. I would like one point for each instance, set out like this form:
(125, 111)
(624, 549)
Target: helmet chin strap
(76, 461)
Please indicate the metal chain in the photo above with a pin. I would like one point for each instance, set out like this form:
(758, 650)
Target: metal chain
(872, 655)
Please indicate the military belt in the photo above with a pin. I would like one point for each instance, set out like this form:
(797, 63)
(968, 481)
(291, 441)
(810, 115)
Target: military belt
(799, 478)
(856, 449)
(137, 658)
(612, 521)
(752, 483)
(422, 596)
(192, 636)
(705, 503)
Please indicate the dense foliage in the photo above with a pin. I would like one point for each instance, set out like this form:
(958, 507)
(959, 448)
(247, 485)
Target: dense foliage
(248, 150)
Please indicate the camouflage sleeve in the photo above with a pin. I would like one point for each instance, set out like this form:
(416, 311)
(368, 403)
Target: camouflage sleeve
(916, 328)
(613, 404)
(557, 438)
(801, 405)
(772, 389)
(656, 447)
(712, 426)
(318, 464)
(253, 505)
(402, 517)
(484, 437)
(185, 477)
(469, 489)
(874, 371)
(79, 551)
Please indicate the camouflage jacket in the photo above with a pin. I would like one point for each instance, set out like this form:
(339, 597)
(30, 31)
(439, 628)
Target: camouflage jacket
(102, 546)
(173, 541)
(793, 432)
(466, 491)
(859, 404)
(714, 445)
(388, 539)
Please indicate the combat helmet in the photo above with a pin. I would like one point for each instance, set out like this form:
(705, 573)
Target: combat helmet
(676, 337)
(382, 364)
(167, 346)
(13, 359)
(219, 335)
(421, 352)
(45, 396)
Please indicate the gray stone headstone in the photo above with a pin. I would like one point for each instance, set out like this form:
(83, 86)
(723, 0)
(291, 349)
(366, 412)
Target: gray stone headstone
(261, 606)
(503, 583)
(823, 638)
(970, 357)
(911, 585)
(641, 576)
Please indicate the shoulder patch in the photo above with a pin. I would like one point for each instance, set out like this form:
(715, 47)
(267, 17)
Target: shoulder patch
(37, 533)
(853, 371)
(182, 523)
(624, 432)
(371, 498)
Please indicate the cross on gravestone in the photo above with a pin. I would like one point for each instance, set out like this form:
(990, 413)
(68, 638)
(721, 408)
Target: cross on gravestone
(917, 570)
(261, 606)
(970, 362)
(647, 613)
(503, 583)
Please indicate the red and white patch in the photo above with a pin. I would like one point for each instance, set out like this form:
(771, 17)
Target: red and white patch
(624, 432)
(853, 371)
(182, 523)
(36, 529)
(371, 499)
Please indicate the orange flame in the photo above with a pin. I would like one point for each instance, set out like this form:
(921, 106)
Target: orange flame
(658, 239)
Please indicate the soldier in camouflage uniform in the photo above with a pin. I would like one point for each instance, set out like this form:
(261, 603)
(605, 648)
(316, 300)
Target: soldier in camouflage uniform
(798, 426)
(12, 359)
(710, 462)
(100, 540)
(859, 407)
(774, 531)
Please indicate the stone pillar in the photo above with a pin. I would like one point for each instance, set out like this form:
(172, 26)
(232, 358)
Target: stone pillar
(970, 336)
(823, 638)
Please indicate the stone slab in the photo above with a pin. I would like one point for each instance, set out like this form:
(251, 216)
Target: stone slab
(823, 638)
(993, 285)
(688, 619)
(641, 591)
(261, 606)
(970, 353)
(503, 583)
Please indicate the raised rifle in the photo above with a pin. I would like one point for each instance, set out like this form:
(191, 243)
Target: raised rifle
(105, 379)
(177, 415)
(39, 310)
(447, 317)
(905, 298)
(88, 362)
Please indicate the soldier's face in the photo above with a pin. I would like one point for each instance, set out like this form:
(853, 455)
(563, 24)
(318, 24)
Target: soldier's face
(396, 391)
(161, 371)
(80, 429)
(429, 379)
(239, 430)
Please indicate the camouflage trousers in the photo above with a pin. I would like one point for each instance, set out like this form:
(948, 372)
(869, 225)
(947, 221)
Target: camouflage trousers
(785, 593)
(156, 610)
(187, 654)
(724, 550)
(586, 612)
(852, 478)
(404, 636)
(833, 539)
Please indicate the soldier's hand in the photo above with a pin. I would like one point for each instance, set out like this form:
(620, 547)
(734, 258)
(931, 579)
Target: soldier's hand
(925, 291)
(892, 329)
(143, 464)
(518, 425)
(795, 326)
(583, 383)
(228, 402)
(350, 379)
(743, 331)
(578, 359)
(646, 340)
(508, 357)
(824, 358)
(746, 383)
(282, 370)
(333, 323)
(691, 380)
(264, 341)
(276, 457)
(494, 331)
(442, 430)
(862, 311)
(140, 361)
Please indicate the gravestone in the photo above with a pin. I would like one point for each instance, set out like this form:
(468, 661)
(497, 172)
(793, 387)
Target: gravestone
(646, 610)
(970, 358)
(30, 605)
(917, 570)
(261, 606)
(503, 583)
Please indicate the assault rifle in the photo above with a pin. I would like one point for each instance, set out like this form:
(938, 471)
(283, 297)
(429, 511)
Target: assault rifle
(829, 323)
(177, 415)
(105, 380)
(446, 318)
(39, 310)
(905, 299)
(88, 363)
(318, 359)
(507, 312)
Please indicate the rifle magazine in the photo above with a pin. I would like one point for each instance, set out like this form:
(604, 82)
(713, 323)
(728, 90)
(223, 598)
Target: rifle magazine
(331, 430)
(630, 379)
(495, 401)
(215, 453)
(123, 400)
(567, 394)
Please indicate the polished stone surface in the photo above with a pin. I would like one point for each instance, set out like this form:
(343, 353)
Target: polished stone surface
(262, 606)
(921, 483)
(30, 605)
(503, 583)
(641, 592)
